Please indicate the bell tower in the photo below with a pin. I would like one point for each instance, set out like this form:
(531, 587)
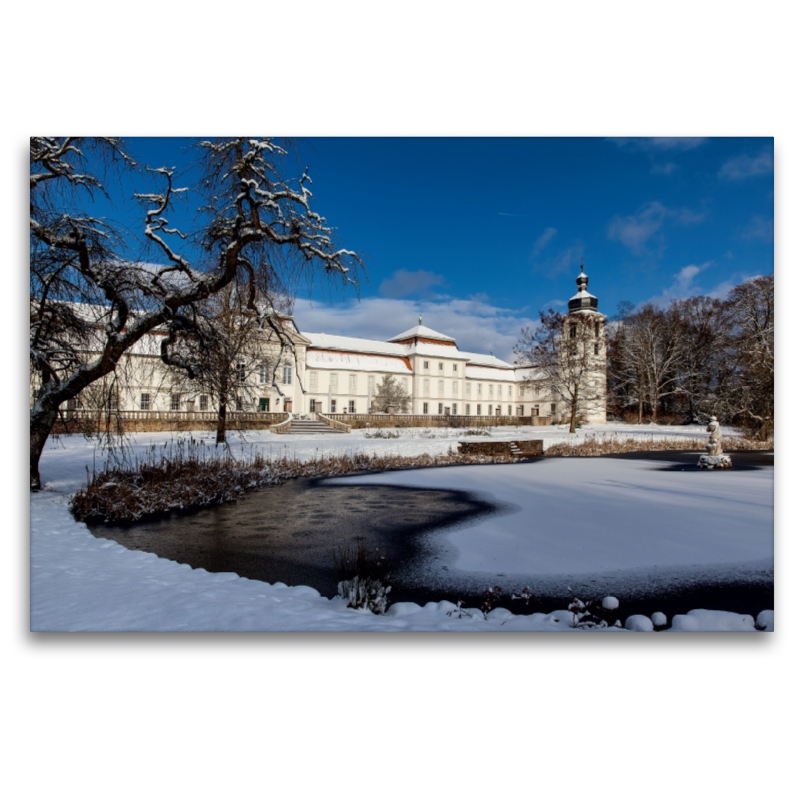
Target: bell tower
(584, 337)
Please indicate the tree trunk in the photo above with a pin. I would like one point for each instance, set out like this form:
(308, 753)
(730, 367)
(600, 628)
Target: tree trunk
(42, 421)
(573, 414)
(221, 421)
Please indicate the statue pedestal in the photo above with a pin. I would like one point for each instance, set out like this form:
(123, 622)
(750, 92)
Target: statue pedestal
(714, 462)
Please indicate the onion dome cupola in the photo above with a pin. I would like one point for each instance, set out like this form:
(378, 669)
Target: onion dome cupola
(582, 300)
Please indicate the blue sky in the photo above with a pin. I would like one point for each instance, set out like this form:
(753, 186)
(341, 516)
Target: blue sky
(478, 234)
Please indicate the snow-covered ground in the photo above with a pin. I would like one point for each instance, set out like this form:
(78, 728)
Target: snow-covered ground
(79, 582)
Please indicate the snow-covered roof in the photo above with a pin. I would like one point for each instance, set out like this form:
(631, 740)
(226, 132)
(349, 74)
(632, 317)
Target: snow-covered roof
(483, 360)
(421, 331)
(356, 362)
(437, 350)
(325, 341)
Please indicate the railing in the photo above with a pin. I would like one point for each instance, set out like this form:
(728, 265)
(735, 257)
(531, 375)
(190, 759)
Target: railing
(334, 423)
(284, 426)
(172, 416)
(439, 420)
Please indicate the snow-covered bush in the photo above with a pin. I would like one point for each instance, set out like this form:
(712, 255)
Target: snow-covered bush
(365, 593)
(380, 433)
(363, 576)
(595, 613)
(659, 620)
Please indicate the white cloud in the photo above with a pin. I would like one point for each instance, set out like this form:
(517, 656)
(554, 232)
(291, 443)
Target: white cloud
(563, 261)
(663, 169)
(635, 230)
(476, 325)
(759, 228)
(404, 282)
(542, 241)
(745, 166)
(685, 216)
(683, 285)
(658, 143)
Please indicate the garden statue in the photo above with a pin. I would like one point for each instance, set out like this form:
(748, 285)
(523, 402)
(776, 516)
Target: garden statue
(715, 458)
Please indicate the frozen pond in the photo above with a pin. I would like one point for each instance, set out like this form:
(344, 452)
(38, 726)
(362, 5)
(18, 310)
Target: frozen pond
(651, 530)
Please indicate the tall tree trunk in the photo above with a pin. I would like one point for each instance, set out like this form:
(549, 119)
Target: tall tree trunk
(222, 415)
(42, 421)
(573, 413)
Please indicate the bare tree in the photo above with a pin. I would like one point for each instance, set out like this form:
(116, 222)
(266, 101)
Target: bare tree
(250, 219)
(648, 350)
(751, 398)
(566, 354)
(388, 393)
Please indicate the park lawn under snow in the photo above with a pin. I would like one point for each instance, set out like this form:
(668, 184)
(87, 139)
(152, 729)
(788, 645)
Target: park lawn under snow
(671, 519)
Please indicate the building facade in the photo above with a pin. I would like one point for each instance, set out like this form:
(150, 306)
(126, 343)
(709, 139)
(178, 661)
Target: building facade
(331, 374)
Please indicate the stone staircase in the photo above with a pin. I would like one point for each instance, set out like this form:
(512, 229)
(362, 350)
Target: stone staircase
(312, 426)
(515, 451)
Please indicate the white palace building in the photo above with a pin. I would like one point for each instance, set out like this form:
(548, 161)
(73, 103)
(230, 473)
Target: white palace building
(332, 374)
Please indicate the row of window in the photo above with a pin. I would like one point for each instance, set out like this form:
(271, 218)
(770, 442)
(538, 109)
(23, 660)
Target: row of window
(426, 365)
(145, 404)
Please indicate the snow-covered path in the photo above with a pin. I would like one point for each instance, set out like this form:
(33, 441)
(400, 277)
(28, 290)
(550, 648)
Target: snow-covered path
(79, 582)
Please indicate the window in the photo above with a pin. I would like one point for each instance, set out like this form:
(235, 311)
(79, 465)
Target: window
(480, 390)
(596, 349)
(536, 390)
(441, 390)
(455, 408)
(509, 411)
(351, 406)
(596, 329)
(424, 365)
(287, 374)
(424, 408)
(240, 404)
(468, 388)
(573, 331)
(479, 409)
(333, 380)
(263, 403)
(405, 385)
(312, 406)
(426, 387)
(441, 409)
(491, 390)
(535, 410)
(204, 403)
(264, 372)
(510, 390)
(333, 406)
(144, 401)
(241, 372)
(520, 411)
(352, 382)
(552, 409)
(455, 367)
(371, 383)
(441, 366)
(522, 391)
(312, 380)
(455, 388)
(175, 402)
(466, 409)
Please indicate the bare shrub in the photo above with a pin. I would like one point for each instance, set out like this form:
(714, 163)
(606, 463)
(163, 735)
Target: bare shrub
(380, 433)
(176, 476)
(607, 444)
(362, 574)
